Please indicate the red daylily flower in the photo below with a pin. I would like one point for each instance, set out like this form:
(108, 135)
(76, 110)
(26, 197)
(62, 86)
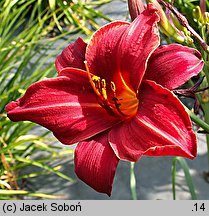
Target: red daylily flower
(113, 97)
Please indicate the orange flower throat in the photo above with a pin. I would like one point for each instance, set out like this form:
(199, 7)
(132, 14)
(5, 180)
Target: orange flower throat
(120, 101)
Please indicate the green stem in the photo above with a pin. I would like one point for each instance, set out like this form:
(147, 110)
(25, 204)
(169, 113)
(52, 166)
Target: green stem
(203, 124)
(27, 193)
(197, 120)
(205, 107)
(182, 19)
(182, 162)
(202, 31)
(174, 178)
(133, 181)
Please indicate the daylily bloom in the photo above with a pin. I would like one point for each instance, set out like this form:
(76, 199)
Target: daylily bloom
(113, 97)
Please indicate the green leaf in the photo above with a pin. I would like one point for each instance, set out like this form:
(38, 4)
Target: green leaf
(197, 120)
(187, 175)
(28, 193)
(20, 140)
(133, 181)
(44, 166)
(29, 34)
(52, 4)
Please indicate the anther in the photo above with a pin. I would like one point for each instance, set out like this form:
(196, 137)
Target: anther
(112, 84)
(96, 83)
(103, 83)
(93, 80)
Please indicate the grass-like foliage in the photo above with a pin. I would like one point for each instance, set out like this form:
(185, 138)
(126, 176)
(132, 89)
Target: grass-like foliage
(30, 33)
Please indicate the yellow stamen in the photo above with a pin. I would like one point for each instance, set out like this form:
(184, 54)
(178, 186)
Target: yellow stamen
(113, 86)
(103, 89)
(125, 106)
(92, 80)
(98, 84)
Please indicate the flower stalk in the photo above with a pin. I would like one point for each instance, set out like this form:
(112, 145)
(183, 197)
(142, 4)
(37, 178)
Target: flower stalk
(197, 120)
(204, 103)
(182, 19)
(133, 181)
(182, 162)
(206, 116)
(165, 25)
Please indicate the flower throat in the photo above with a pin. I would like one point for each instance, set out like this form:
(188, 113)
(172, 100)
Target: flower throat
(120, 102)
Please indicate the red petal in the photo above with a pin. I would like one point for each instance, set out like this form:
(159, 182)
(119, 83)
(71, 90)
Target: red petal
(172, 65)
(101, 53)
(138, 42)
(72, 56)
(66, 105)
(96, 163)
(120, 47)
(161, 127)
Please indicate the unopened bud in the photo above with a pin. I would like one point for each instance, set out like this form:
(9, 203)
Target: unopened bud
(181, 29)
(203, 6)
(197, 15)
(165, 25)
(206, 18)
(205, 96)
(135, 8)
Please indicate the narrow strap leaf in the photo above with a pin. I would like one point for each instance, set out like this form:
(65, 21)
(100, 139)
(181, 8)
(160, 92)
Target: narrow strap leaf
(188, 177)
(133, 181)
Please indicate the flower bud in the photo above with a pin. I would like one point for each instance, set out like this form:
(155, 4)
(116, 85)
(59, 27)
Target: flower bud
(198, 15)
(206, 18)
(165, 24)
(203, 6)
(181, 29)
(135, 8)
